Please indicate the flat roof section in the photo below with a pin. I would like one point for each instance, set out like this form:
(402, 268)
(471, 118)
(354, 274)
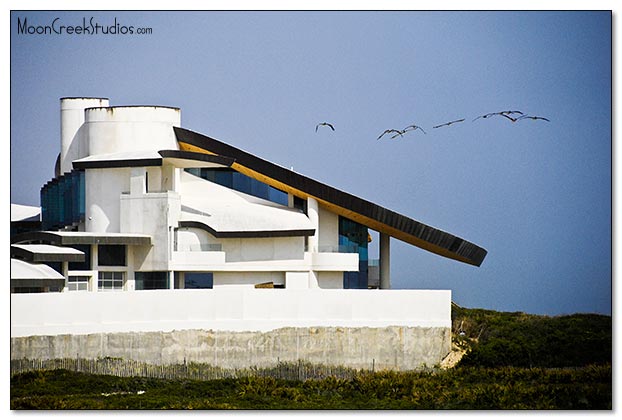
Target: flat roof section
(82, 238)
(355, 208)
(46, 253)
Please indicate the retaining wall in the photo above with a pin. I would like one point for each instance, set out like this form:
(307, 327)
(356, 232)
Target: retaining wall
(237, 328)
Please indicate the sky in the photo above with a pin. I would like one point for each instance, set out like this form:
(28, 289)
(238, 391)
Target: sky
(537, 195)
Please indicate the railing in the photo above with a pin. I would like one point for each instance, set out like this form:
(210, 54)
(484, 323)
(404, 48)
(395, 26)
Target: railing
(344, 249)
(198, 247)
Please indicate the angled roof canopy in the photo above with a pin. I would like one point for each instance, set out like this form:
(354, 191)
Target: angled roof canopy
(178, 158)
(369, 214)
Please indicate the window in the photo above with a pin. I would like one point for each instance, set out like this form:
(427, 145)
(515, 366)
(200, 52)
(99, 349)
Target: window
(150, 280)
(198, 280)
(84, 265)
(353, 237)
(110, 280)
(111, 255)
(77, 283)
(231, 179)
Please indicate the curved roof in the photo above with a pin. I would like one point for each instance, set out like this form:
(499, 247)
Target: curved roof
(355, 208)
(21, 270)
(226, 213)
(21, 213)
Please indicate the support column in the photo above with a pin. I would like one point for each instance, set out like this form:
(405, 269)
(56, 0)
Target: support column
(313, 212)
(385, 261)
(314, 217)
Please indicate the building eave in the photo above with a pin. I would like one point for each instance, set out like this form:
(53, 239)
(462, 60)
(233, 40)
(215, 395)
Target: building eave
(355, 208)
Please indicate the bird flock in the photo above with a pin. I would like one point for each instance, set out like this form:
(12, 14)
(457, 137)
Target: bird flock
(512, 116)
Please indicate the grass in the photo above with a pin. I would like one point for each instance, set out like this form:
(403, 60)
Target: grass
(587, 388)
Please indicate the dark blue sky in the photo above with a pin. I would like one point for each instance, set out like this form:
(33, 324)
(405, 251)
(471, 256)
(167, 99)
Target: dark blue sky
(535, 194)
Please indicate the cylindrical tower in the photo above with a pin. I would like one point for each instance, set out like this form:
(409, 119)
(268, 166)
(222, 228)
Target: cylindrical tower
(71, 119)
(131, 128)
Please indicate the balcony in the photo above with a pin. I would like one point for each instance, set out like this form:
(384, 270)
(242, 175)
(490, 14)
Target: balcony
(198, 247)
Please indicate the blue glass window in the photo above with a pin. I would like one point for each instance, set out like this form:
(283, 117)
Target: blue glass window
(240, 182)
(198, 280)
(353, 237)
(63, 201)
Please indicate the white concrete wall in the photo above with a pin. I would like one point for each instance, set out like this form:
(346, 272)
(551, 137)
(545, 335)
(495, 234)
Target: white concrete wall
(103, 188)
(225, 309)
(154, 214)
(246, 280)
(134, 128)
(330, 280)
(329, 228)
(263, 249)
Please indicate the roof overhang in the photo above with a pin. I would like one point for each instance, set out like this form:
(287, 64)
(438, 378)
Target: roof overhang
(347, 205)
(81, 238)
(177, 158)
(22, 270)
(46, 253)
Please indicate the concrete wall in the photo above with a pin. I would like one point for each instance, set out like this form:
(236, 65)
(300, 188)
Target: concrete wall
(329, 228)
(400, 348)
(154, 214)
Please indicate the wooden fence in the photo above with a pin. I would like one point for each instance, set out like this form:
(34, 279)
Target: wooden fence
(300, 370)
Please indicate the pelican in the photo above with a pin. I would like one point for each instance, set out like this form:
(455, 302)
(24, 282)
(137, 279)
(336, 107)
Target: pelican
(449, 123)
(412, 128)
(391, 130)
(534, 117)
(326, 124)
(502, 113)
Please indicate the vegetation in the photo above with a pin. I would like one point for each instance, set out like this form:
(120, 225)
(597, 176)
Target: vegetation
(513, 361)
(463, 388)
(496, 339)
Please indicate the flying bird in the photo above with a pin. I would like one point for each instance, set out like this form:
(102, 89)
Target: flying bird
(412, 128)
(326, 124)
(510, 118)
(449, 123)
(502, 113)
(533, 117)
(486, 115)
(391, 130)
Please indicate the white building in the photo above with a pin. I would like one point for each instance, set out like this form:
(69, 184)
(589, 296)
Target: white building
(142, 210)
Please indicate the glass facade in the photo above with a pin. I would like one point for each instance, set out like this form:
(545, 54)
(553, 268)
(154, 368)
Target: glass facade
(63, 201)
(84, 265)
(240, 182)
(151, 280)
(353, 237)
(198, 280)
(111, 255)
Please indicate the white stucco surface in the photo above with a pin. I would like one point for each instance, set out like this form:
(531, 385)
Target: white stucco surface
(226, 210)
(225, 309)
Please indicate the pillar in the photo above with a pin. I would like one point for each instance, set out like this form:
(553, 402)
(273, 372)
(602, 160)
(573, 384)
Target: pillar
(314, 217)
(385, 261)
